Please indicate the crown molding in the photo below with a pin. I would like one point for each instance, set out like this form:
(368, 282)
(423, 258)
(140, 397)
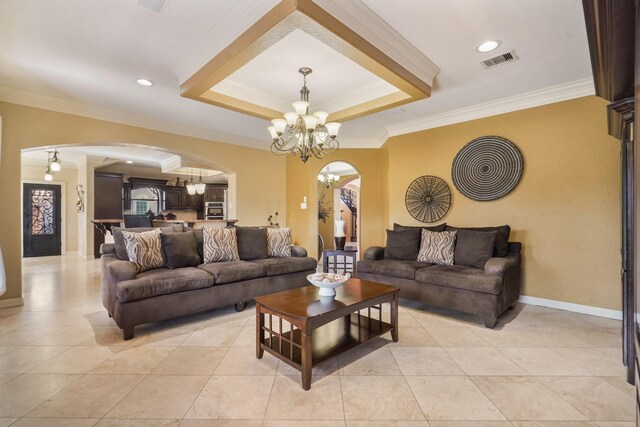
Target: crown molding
(550, 95)
(364, 21)
(247, 93)
(36, 100)
(361, 95)
(241, 17)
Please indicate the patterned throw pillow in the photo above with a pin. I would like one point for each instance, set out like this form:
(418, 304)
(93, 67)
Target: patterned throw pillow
(279, 242)
(437, 247)
(144, 249)
(219, 244)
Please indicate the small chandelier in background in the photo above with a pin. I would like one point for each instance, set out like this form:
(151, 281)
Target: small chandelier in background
(301, 133)
(328, 179)
(53, 165)
(193, 188)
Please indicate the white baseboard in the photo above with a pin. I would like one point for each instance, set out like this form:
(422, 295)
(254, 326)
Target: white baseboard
(569, 306)
(12, 302)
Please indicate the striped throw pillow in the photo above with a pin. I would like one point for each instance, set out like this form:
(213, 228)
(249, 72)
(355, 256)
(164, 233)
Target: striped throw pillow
(219, 244)
(437, 247)
(279, 242)
(144, 249)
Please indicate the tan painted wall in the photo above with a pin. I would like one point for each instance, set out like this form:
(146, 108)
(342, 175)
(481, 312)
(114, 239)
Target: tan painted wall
(259, 175)
(69, 177)
(566, 209)
(302, 181)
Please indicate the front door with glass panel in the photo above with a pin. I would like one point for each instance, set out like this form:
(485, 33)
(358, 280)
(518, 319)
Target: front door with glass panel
(42, 234)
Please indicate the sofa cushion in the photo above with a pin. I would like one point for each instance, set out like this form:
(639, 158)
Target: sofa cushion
(439, 227)
(501, 247)
(118, 239)
(162, 281)
(252, 243)
(278, 266)
(474, 248)
(404, 269)
(279, 242)
(197, 232)
(220, 244)
(403, 244)
(460, 277)
(180, 249)
(144, 249)
(437, 247)
(233, 271)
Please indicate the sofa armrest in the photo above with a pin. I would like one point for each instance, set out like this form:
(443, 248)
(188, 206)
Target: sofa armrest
(374, 253)
(499, 266)
(298, 251)
(117, 269)
(107, 249)
(114, 270)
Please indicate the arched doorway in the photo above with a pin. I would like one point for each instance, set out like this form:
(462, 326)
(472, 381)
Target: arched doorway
(339, 189)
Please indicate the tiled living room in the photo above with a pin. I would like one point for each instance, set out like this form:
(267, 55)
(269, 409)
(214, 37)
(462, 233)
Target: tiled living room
(467, 177)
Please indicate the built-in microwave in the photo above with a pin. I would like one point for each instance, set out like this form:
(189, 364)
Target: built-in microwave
(214, 210)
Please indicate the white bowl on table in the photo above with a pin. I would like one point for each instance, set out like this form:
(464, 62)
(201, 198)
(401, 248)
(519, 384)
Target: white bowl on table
(328, 289)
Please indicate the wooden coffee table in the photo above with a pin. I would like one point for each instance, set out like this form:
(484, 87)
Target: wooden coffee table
(321, 328)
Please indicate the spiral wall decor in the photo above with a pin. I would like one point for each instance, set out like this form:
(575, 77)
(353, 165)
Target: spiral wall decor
(428, 198)
(487, 168)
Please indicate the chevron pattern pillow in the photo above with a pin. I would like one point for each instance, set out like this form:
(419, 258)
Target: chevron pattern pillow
(144, 249)
(437, 247)
(219, 244)
(279, 242)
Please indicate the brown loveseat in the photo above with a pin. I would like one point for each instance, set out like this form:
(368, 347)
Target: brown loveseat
(134, 299)
(486, 292)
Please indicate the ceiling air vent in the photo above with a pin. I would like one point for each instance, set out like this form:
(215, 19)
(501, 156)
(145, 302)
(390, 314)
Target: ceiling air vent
(499, 60)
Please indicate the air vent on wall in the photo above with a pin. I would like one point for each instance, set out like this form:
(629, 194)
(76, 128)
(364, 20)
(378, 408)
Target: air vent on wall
(500, 59)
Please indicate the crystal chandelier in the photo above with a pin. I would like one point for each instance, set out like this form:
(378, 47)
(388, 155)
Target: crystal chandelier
(301, 133)
(328, 179)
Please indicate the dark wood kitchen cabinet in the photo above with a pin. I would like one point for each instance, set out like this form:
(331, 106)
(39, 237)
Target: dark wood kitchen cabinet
(173, 198)
(192, 202)
(215, 192)
(109, 203)
(126, 196)
(178, 198)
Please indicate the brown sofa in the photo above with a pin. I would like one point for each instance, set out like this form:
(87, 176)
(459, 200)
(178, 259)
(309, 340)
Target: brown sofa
(135, 299)
(486, 292)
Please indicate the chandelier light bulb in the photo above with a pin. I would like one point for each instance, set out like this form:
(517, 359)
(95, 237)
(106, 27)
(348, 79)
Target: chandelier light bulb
(279, 125)
(332, 129)
(322, 117)
(272, 131)
(310, 122)
(48, 177)
(55, 167)
(291, 118)
(300, 107)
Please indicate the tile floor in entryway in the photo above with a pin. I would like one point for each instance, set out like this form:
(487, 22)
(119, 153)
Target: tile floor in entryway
(63, 363)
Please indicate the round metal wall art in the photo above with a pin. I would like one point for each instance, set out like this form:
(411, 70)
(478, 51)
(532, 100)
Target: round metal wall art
(487, 168)
(428, 198)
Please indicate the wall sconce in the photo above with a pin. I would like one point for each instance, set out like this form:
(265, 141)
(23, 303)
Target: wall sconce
(303, 205)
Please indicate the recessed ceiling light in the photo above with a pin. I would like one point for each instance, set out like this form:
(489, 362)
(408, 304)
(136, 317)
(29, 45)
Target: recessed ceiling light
(129, 161)
(488, 46)
(144, 82)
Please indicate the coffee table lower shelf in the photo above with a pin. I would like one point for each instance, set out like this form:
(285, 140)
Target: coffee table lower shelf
(328, 341)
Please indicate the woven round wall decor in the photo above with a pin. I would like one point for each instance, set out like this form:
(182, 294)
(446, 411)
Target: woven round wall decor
(487, 168)
(428, 198)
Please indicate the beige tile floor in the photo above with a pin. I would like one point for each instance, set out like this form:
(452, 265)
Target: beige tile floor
(63, 363)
